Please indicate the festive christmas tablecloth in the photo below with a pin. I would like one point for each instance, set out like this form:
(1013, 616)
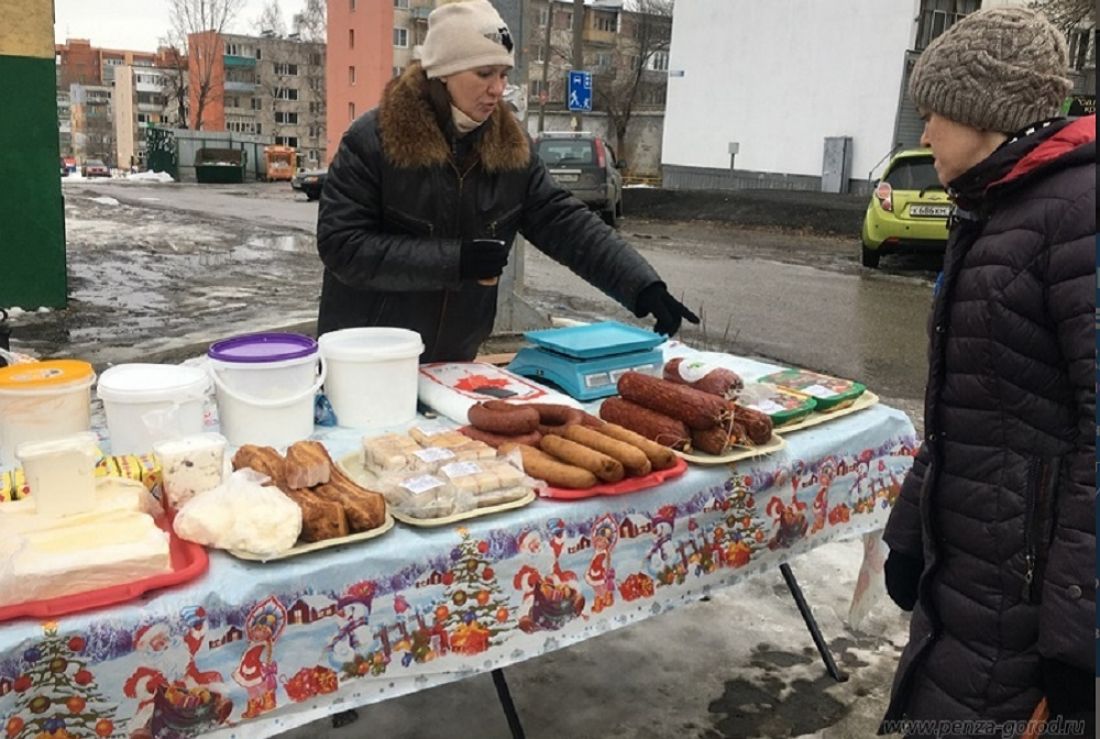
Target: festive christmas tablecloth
(252, 649)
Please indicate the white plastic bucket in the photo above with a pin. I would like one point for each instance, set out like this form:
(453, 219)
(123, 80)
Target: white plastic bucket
(262, 398)
(149, 403)
(40, 401)
(372, 375)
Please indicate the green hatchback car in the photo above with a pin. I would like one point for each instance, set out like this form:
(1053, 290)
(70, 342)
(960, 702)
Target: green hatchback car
(908, 210)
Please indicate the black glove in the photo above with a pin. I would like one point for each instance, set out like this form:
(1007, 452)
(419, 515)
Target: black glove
(481, 259)
(655, 301)
(902, 576)
(1070, 693)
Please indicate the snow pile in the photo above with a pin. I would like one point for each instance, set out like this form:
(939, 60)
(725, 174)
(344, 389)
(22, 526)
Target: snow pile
(150, 176)
(105, 200)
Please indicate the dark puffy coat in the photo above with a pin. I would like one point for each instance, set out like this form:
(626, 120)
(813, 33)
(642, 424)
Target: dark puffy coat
(400, 197)
(999, 503)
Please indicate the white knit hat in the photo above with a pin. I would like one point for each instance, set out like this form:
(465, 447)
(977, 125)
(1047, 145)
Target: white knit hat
(465, 34)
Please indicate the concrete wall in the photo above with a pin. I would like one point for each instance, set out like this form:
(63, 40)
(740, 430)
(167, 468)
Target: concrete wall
(779, 77)
(642, 151)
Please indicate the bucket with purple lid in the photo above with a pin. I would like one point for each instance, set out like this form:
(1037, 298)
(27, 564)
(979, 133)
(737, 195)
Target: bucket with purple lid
(265, 385)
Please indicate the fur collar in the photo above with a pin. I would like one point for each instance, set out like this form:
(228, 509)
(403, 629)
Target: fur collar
(411, 137)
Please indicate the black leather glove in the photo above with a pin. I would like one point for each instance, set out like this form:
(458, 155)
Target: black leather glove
(902, 576)
(481, 259)
(1070, 693)
(655, 301)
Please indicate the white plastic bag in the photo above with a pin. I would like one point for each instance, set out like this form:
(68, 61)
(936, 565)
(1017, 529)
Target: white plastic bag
(242, 515)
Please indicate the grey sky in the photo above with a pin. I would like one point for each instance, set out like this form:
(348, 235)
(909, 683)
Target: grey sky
(138, 24)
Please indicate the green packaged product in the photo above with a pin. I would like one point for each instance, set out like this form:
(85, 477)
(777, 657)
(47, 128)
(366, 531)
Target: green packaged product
(831, 393)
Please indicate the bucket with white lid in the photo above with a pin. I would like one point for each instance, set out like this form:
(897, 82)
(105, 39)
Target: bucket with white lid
(40, 401)
(372, 375)
(149, 403)
(265, 386)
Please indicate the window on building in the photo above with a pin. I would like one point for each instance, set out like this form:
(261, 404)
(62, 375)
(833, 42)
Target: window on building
(397, 71)
(315, 60)
(537, 88)
(351, 111)
(351, 38)
(351, 5)
(232, 102)
(606, 22)
(259, 54)
(257, 104)
(402, 4)
(604, 59)
(540, 53)
(936, 16)
(563, 20)
(234, 49)
(401, 38)
(658, 62)
(286, 93)
(315, 108)
(283, 68)
(351, 75)
(1082, 49)
(291, 141)
(543, 17)
(287, 119)
(313, 155)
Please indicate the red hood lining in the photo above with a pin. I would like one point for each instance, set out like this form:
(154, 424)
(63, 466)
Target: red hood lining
(1082, 131)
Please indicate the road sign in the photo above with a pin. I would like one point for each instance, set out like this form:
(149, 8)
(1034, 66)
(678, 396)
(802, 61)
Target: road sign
(580, 90)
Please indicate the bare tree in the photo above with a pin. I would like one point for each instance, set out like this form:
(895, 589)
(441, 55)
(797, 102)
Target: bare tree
(271, 19)
(174, 63)
(1068, 15)
(632, 79)
(201, 24)
(311, 24)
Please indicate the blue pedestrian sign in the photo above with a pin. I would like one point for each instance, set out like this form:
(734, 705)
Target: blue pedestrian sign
(580, 90)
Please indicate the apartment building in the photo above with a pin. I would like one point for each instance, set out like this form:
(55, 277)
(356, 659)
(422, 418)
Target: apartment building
(92, 123)
(266, 85)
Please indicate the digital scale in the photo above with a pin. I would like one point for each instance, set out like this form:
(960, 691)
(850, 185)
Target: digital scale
(587, 361)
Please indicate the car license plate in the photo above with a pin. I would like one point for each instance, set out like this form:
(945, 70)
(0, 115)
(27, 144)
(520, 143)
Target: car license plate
(930, 211)
(566, 177)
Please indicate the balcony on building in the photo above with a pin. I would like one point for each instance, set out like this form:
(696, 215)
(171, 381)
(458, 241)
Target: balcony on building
(233, 60)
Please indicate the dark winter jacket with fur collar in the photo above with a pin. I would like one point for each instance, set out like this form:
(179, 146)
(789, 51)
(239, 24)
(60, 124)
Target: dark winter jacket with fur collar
(402, 193)
(1000, 501)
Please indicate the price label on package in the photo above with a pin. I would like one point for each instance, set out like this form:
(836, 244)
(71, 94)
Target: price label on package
(768, 406)
(422, 484)
(819, 391)
(461, 469)
(434, 454)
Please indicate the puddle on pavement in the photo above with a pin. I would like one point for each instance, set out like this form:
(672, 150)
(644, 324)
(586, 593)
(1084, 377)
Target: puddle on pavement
(296, 242)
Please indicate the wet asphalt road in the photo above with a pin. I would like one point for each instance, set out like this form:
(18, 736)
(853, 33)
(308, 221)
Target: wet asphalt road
(794, 298)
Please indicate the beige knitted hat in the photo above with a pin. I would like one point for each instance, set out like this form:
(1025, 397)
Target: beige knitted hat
(465, 34)
(998, 69)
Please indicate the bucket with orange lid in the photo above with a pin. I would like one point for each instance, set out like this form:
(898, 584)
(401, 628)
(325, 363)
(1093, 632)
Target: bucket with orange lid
(43, 400)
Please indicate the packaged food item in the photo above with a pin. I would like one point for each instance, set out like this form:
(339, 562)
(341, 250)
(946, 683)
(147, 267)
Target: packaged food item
(191, 465)
(242, 514)
(463, 447)
(783, 405)
(489, 481)
(61, 473)
(388, 453)
(830, 393)
(703, 376)
(420, 495)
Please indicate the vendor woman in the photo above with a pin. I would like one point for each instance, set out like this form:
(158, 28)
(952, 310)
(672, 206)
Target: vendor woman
(427, 191)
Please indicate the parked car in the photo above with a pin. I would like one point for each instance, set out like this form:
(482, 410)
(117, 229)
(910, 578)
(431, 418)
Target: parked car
(310, 182)
(908, 210)
(585, 164)
(95, 168)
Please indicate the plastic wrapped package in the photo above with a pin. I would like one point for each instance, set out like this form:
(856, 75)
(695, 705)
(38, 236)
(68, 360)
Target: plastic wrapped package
(243, 515)
(490, 481)
(420, 495)
(191, 465)
(388, 453)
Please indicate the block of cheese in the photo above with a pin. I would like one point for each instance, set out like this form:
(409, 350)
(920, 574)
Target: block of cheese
(463, 447)
(112, 495)
(483, 476)
(61, 473)
(117, 548)
(191, 465)
(388, 453)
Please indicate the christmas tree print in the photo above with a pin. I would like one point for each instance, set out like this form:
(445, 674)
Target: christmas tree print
(57, 696)
(476, 608)
(744, 531)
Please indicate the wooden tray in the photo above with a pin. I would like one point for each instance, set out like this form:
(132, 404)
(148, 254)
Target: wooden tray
(319, 545)
(863, 402)
(627, 485)
(739, 453)
(352, 465)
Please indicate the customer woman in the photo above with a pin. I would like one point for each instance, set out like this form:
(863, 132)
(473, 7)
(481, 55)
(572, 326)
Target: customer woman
(427, 191)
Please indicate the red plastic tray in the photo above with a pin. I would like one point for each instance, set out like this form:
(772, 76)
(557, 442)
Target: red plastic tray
(189, 560)
(629, 485)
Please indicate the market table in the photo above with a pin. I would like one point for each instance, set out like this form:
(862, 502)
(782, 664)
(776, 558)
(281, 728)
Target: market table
(252, 649)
